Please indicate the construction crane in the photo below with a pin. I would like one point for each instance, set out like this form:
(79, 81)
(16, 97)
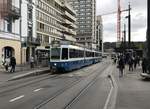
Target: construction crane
(119, 22)
(119, 11)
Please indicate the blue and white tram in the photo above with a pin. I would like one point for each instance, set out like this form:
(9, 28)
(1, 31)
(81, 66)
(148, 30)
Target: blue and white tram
(70, 57)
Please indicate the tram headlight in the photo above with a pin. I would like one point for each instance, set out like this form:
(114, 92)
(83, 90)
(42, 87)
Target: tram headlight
(55, 64)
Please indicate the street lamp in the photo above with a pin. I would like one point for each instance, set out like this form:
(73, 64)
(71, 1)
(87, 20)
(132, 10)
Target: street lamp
(129, 26)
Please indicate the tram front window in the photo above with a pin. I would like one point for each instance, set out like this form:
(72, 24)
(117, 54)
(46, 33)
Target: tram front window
(55, 53)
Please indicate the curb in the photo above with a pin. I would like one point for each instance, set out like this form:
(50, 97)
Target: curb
(31, 73)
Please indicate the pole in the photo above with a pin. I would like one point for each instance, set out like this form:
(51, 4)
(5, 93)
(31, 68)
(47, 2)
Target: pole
(148, 34)
(129, 27)
(125, 36)
(20, 32)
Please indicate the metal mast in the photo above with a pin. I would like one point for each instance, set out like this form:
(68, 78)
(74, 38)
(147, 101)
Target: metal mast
(119, 22)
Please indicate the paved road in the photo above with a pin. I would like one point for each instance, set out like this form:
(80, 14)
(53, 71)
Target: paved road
(30, 92)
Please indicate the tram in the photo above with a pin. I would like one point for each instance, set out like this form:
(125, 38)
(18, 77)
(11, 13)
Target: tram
(69, 57)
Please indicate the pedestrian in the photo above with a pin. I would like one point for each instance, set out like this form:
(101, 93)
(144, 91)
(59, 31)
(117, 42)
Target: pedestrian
(144, 65)
(135, 62)
(130, 63)
(115, 59)
(121, 66)
(6, 63)
(32, 62)
(2, 60)
(12, 64)
(138, 60)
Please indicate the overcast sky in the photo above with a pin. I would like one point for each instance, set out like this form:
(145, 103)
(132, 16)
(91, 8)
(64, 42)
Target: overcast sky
(138, 21)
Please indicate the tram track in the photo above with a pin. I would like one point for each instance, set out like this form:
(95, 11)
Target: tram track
(5, 88)
(84, 90)
(61, 91)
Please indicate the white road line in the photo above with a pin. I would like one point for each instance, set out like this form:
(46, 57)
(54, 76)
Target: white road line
(36, 90)
(17, 98)
(108, 99)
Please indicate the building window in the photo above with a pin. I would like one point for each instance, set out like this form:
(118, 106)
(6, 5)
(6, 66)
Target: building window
(30, 31)
(8, 25)
(46, 39)
(39, 37)
(29, 14)
(41, 26)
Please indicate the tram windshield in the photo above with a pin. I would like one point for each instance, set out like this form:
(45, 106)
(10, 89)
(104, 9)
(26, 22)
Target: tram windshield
(55, 53)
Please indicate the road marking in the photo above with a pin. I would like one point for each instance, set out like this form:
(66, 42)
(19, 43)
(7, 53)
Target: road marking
(17, 98)
(108, 98)
(36, 90)
(112, 95)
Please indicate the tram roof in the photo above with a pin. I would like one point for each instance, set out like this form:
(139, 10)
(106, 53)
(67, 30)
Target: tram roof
(75, 47)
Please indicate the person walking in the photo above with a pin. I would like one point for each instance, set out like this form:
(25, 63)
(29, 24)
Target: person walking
(121, 66)
(135, 62)
(138, 60)
(12, 64)
(6, 63)
(2, 60)
(32, 62)
(130, 63)
(144, 65)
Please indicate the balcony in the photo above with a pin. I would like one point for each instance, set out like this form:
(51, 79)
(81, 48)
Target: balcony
(68, 31)
(28, 41)
(12, 11)
(68, 8)
(68, 16)
(68, 24)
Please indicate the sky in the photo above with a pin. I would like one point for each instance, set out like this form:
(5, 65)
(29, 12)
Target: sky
(138, 19)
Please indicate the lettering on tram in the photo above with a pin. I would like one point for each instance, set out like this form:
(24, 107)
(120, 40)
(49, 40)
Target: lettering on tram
(70, 57)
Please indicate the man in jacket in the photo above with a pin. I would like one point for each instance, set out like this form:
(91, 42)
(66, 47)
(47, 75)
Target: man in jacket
(12, 64)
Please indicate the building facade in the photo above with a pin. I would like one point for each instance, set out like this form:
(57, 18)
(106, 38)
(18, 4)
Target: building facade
(28, 29)
(54, 21)
(10, 44)
(99, 33)
(86, 21)
(28, 26)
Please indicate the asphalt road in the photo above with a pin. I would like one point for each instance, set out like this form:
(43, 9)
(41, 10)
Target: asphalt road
(85, 88)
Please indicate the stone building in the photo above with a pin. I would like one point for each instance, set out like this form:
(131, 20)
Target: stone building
(10, 44)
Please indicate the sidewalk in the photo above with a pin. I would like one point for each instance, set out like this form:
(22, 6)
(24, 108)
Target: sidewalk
(21, 71)
(133, 92)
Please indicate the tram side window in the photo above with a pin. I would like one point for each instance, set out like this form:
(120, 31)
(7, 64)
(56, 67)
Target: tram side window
(96, 54)
(81, 54)
(88, 54)
(92, 54)
(72, 53)
(64, 53)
